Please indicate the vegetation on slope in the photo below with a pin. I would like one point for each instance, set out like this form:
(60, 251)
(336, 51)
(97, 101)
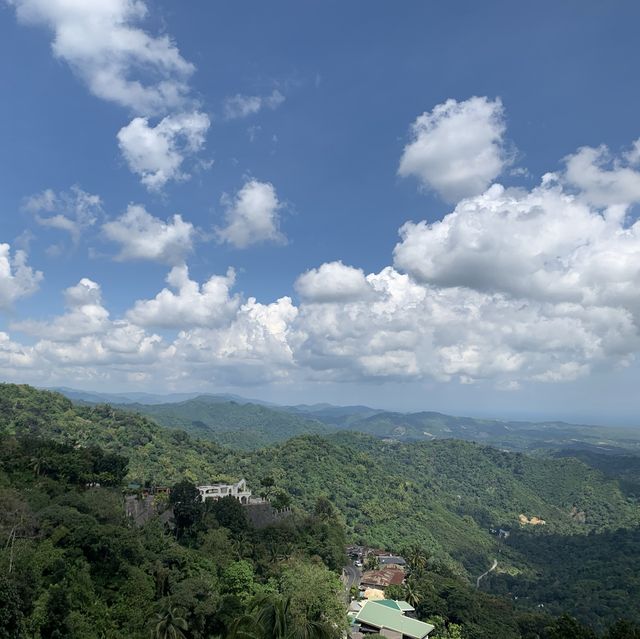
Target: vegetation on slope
(156, 455)
(75, 568)
(240, 426)
(444, 495)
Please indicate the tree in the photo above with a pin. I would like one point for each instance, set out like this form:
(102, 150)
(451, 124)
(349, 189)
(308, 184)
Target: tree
(412, 595)
(169, 625)
(272, 615)
(187, 508)
(445, 630)
(623, 629)
(268, 485)
(324, 509)
(315, 608)
(394, 592)
(567, 627)
(416, 558)
(238, 580)
(230, 513)
(10, 613)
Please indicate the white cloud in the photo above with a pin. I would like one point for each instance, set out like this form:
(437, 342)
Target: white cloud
(333, 282)
(17, 279)
(72, 211)
(457, 149)
(253, 348)
(157, 153)
(602, 179)
(542, 245)
(242, 106)
(85, 316)
(144, 237)
(513, 286)
(192, 305)
(252, 216)
(101, 42)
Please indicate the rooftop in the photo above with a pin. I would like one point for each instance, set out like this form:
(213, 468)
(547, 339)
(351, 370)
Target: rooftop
(402, 606)
(381, 616)
(384, 577)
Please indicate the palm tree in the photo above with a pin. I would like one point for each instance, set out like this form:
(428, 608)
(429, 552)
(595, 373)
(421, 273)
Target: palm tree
(272, 615)
(169, 625)
(416, 558)
(412, 595)
(37, 463)
(313, 628)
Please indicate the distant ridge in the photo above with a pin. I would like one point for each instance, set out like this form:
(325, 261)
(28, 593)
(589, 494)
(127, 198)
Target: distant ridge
(150, 399)
(239, 422)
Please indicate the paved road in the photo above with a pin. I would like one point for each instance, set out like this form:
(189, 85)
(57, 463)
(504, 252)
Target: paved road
(353, 576)
(484, 574)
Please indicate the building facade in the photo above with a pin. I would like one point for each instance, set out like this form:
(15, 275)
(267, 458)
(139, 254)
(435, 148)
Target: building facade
(238, 491)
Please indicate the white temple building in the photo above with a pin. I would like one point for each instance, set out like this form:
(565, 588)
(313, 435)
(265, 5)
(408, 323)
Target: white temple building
(217, 491)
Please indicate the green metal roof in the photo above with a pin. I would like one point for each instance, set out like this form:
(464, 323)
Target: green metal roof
(403, 606)
(384, 616)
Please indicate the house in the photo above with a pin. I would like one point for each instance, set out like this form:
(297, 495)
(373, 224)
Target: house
(403, 606)
(387, 620)
(217, 491)
(392, 561)
(382, 578)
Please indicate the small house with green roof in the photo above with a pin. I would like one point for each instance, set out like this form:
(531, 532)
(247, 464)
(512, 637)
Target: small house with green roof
(390, 621)
(403, 606)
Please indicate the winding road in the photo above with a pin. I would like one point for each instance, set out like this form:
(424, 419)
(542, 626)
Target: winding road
(484, 574)
(352, 578)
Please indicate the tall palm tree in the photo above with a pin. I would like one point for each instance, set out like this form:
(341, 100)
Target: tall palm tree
(416, 558)
(411, 594)
(272, 615)
(313, 628)
(169, 625)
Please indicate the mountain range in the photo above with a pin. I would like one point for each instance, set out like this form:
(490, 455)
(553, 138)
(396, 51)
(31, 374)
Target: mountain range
(242, 423)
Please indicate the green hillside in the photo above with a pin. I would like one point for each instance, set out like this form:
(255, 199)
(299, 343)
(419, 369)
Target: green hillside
(241, 426)
(156, 455)
(444, 496)
(512, 435)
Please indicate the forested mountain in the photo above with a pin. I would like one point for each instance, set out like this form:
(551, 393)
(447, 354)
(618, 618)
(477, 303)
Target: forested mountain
(246, 424)
(241, 426)
(445, 496)
(511, 435)
(73, 567)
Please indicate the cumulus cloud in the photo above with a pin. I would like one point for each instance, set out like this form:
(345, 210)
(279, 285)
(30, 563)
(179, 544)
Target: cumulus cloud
(191, 305)
(85, 316)
(419, 331)
(457, 149)
(252, 216)
(544, 244)
(511, 286)
(242, 106)
(144, 237)
(332, 282)
(602, 179)
(17, 279)
(103, 43)
(72, 211)
(253, 348)
(157, 153)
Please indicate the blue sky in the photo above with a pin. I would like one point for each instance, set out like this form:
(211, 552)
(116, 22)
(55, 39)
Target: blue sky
(295, 140)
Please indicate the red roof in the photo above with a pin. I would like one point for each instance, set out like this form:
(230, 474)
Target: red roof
(384, 577)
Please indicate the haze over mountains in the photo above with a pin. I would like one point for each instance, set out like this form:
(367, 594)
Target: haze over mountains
(238, 422)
